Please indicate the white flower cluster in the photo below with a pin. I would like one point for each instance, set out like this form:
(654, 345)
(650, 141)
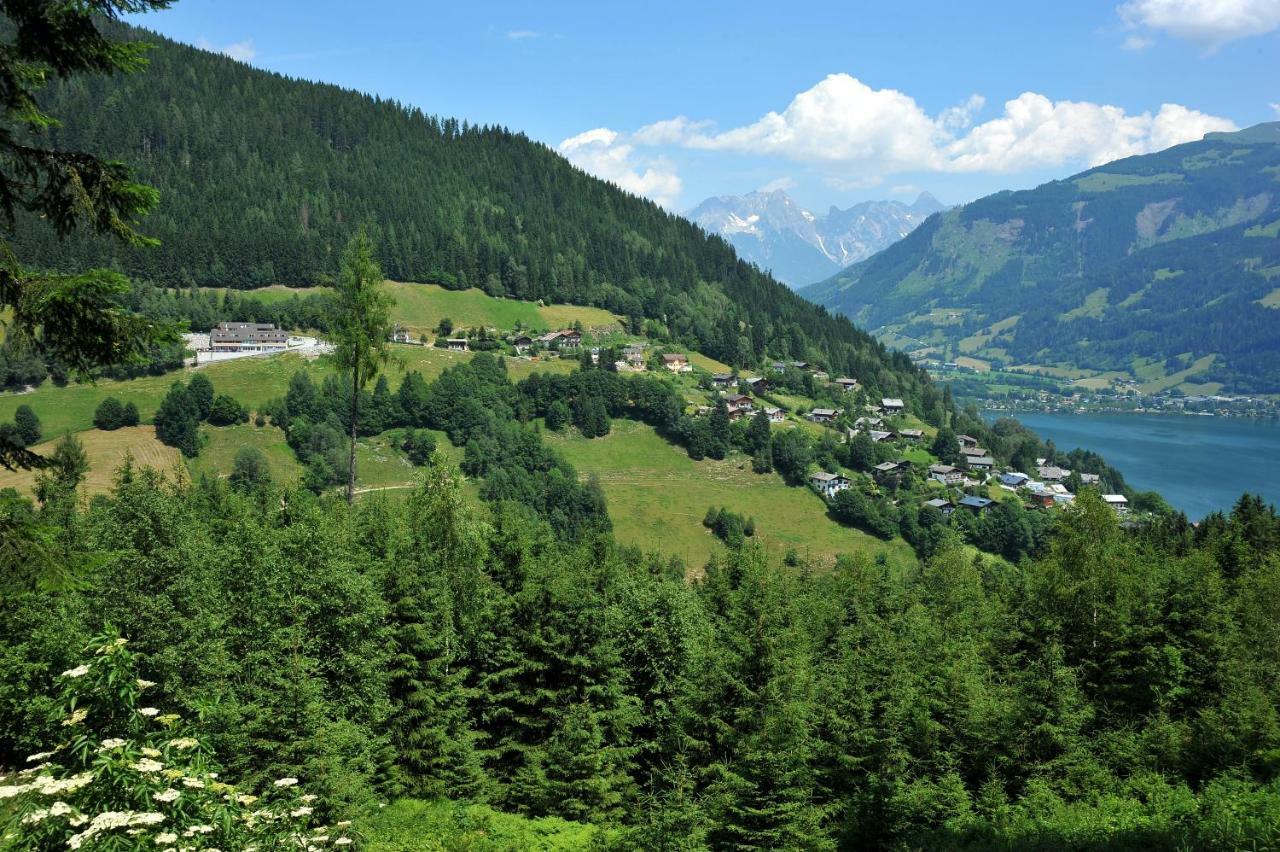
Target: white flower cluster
(47, 785)
(111, 820)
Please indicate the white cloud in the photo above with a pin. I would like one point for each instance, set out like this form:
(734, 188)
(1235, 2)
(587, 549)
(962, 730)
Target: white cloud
(523, 35)
(784, 183)
(850, 184)
(244, 51)
(855, 131)
(1210, 23)
(1275, 107)
(607, 155)
(1136, 43)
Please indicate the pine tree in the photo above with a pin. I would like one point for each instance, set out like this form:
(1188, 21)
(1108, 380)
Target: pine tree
(28, 425)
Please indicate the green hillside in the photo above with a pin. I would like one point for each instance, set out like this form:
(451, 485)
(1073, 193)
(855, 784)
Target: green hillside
(263, 178)
(1171, 258)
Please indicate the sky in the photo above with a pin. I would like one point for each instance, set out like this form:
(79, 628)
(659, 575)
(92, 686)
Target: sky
(835, 102)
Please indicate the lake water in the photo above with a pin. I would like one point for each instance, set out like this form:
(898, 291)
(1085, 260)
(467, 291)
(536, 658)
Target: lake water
(1199, 464)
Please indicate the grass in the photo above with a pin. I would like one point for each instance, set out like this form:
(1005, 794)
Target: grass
(252, 381)
(711, 365)
(420, 307)
(106, 452)
(658, 496)
(222, 442)
(1161, 382)
(1107, 181)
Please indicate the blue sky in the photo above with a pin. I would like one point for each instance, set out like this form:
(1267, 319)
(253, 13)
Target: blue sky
(835, 101)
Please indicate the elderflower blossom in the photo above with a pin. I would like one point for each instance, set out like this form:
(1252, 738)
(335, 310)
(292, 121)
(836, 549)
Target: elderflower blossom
(184, 743)
(145, 684)
(343, 823)
(41, 756)
(147, 765)
(75, 718)
(168, 719)
(150, 752)
(166, 795)
(286, 782)
(110, 744)
(148, 711)
(245, 799)
(78, 671)
(193, 830)
(14, 790)
(166, 838)
(110, 820)
(300, 812)
(193, 783)
(111, 646)
(308, 798)
(342, 841)
(47, 785)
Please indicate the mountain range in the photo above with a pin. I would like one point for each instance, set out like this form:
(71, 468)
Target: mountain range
(799, 247)
(1163, 268)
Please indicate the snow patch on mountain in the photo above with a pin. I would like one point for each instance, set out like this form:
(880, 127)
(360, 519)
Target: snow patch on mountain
(769, 229)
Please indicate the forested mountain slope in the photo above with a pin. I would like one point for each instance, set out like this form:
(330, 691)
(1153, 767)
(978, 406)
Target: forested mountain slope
(1172, 256)
(263, 178)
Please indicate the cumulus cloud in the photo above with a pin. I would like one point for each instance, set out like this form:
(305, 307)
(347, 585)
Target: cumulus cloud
(1275, 107)
(784, 183)
(855, 130)
(1209, 23)
(608, 155)
(243, 51)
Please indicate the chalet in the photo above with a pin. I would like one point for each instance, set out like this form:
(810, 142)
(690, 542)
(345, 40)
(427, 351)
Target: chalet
(946, 507)
(634, 356)
(1014, 479)
(522, 343)
(869, 422)
(724, 380)
(977, 505)
(977, 451)
(456, 344)
(983, 463)
(758, 384)
(800, 365)
(912, 435)
(891, 470)
(892, 405)
(946, 474)
(847, 384)
(824, 415)
(1090, 479)
(1052, 473)
(565, 339)
(595, 354)
(676, 362)
(775, 415)
(1118, 502)
(399, 334)
(967, 441)
(879, 437)
(739, 402)
(828, 484)
(247, 337)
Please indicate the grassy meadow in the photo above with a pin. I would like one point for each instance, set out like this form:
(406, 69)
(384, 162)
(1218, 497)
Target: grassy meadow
(658, 496)
(106, 452)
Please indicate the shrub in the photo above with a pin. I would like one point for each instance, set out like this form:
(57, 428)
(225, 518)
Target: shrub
(225, 411)
(133, 777)
(249, 471)
(109, 415)
(28, 425)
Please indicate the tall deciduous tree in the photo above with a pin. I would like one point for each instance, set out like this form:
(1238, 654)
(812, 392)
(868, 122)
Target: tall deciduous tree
(361, 328)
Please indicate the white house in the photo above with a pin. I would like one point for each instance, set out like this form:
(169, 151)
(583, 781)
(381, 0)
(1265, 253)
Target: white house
(775, 415)
(1118, 502)
(946, 474)
(824, 415)
(828, 484)
(892, 405)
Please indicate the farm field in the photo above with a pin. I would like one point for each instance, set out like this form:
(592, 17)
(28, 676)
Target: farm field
(218, 452)
(106, 452)
(658, 496)
(420, 307)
